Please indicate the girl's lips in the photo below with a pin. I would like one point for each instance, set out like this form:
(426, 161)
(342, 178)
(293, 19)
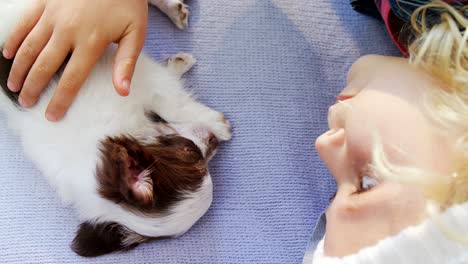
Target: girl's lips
(342, 97)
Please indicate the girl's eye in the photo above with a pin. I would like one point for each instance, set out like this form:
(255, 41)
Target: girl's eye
(368, 183)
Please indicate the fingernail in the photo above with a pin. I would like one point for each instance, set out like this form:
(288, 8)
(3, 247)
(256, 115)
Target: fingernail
(12, 86)
(6, 54)
(126, 85)
(23, 102)
(51, 117)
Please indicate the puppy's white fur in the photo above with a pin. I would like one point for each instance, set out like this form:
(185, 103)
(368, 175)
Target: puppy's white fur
(66, 152)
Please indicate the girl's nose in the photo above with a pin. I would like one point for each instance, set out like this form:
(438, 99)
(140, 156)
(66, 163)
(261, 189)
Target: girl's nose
(331, 147)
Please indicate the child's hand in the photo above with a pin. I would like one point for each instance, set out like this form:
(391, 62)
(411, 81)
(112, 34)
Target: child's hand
(52, 29)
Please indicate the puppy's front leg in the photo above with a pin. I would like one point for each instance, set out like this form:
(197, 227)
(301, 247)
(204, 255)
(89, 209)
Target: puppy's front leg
(176, 10)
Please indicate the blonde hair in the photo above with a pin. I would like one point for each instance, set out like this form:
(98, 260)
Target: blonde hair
(441, 50)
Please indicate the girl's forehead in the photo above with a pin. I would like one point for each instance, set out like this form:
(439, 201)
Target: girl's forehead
(390, 75)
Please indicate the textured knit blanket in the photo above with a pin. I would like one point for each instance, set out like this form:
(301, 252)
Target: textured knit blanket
(273, 66)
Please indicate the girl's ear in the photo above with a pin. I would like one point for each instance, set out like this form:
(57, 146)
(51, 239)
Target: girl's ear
(95, 239)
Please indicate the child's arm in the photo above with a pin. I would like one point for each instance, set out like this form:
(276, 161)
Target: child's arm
(53, 29)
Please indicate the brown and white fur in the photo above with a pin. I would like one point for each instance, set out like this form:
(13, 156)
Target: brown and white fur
(135, 168)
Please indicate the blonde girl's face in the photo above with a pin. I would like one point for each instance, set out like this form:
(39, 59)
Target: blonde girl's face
(383, 98)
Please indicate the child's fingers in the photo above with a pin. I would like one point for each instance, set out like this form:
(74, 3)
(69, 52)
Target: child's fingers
(76, 72)
(27, 54)
(22, 29)
(129, 49)
(46, 65)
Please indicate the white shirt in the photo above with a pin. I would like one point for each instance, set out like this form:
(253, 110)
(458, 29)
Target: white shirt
(428, 243)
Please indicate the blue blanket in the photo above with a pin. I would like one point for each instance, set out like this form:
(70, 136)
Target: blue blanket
(273, 66)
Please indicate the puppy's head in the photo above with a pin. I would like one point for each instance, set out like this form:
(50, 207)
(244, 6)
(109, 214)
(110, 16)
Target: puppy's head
(160, 188)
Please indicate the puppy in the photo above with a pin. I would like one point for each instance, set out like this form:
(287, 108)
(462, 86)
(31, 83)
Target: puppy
(135, 168)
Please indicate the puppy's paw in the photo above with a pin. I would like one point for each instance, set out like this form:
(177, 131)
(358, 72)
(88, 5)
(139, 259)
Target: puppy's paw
(181, 63)
(178, 12)
(220, 126)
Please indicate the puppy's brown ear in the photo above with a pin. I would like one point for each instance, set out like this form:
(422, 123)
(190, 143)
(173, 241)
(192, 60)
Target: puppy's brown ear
(95, 239)
(137, 179)
(125, 172)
